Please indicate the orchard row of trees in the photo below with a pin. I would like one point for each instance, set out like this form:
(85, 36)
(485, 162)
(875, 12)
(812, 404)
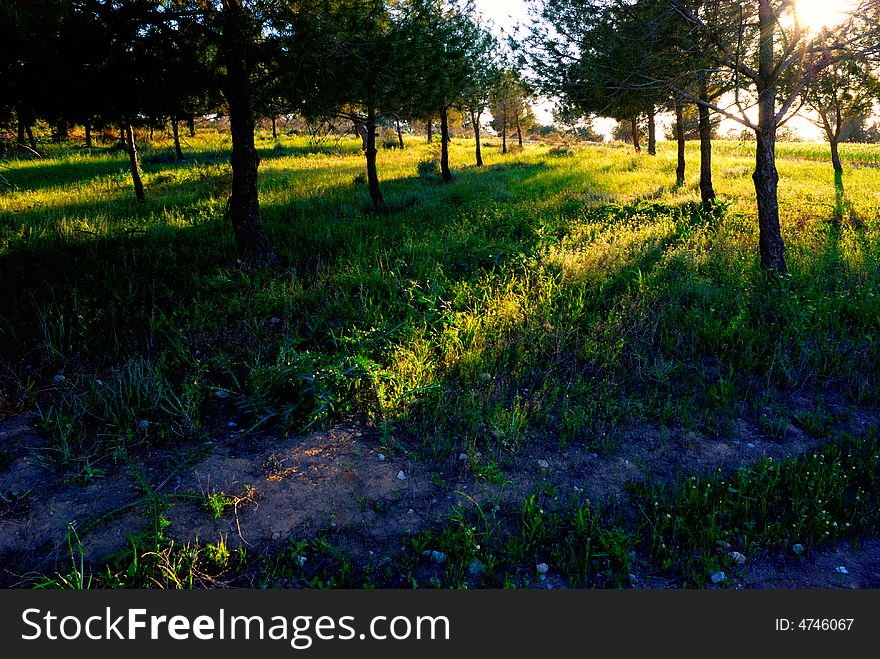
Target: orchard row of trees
(103, 63)
(751, 61)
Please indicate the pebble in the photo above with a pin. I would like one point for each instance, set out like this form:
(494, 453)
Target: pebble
(738, 558)
(841, 570)
(381, 457)
(232, 424)
(462, 456)
(798, 549)
(401, 475)
(221, 394)
(301, 560)
(143, 424)
(543, 464)
(436, 556)
(485, 377)
(275, 320)
(59, 379)
(542, 568)
(750, 445)
(276, 536)
(718, 577)
(476, 568)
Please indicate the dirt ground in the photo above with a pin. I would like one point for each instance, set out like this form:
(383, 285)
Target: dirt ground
(344, 484)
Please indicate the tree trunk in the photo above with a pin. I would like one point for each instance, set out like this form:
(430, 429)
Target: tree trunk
(191, 123)
(430, 129)
(175, 131)
(634, 128)
(518, 133)
(766, 177)
(30, 135)
(21, 126)
(475, 120)
(88, 128)
(707, 191)
(135, 165)
(371, 151)
(274, 130)
(835, 154)
(244, 203)
(62, 131)
(652, 132)
(504, 137)
(445, 174)
(399, 133)
(679, 139)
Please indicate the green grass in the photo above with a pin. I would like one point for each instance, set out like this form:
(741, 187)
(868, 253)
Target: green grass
(553, 296)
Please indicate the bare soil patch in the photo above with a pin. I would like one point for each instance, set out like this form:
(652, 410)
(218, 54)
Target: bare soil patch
(344, 484)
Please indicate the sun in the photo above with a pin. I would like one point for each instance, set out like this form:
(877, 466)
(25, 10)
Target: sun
(814, 15)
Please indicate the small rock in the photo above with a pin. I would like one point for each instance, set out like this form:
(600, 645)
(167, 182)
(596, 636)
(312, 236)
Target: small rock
(718, 577)
(143, 424)
(738, 558)
(410, 512)
(276, 536)
(750, 444)
(543, 464)
(542, 568)
(401, 475)
(633, 579)
(479, 455)
(462, 456)
(59, 379)
(798, 549)
(232, 424)
(221, 394)
(476, 568)
(438, 557)
(275, 320)
(841, 570)
(100, 383)
(381, 457)
(301, 560)
(485, 377)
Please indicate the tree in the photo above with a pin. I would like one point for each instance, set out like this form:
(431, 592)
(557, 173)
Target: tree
(238, 34)
(760, 43)
(588, 52)
(356, 60)
(574, 123)
(508, 100)
(455, 55)
(843, 93)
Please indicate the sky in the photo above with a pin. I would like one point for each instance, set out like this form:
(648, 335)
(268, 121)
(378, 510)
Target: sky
(506, 14)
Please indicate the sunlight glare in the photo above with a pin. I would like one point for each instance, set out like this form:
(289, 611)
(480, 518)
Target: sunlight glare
(813, 15)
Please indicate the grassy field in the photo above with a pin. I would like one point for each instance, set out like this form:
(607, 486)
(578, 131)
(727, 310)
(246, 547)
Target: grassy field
(557, 297)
